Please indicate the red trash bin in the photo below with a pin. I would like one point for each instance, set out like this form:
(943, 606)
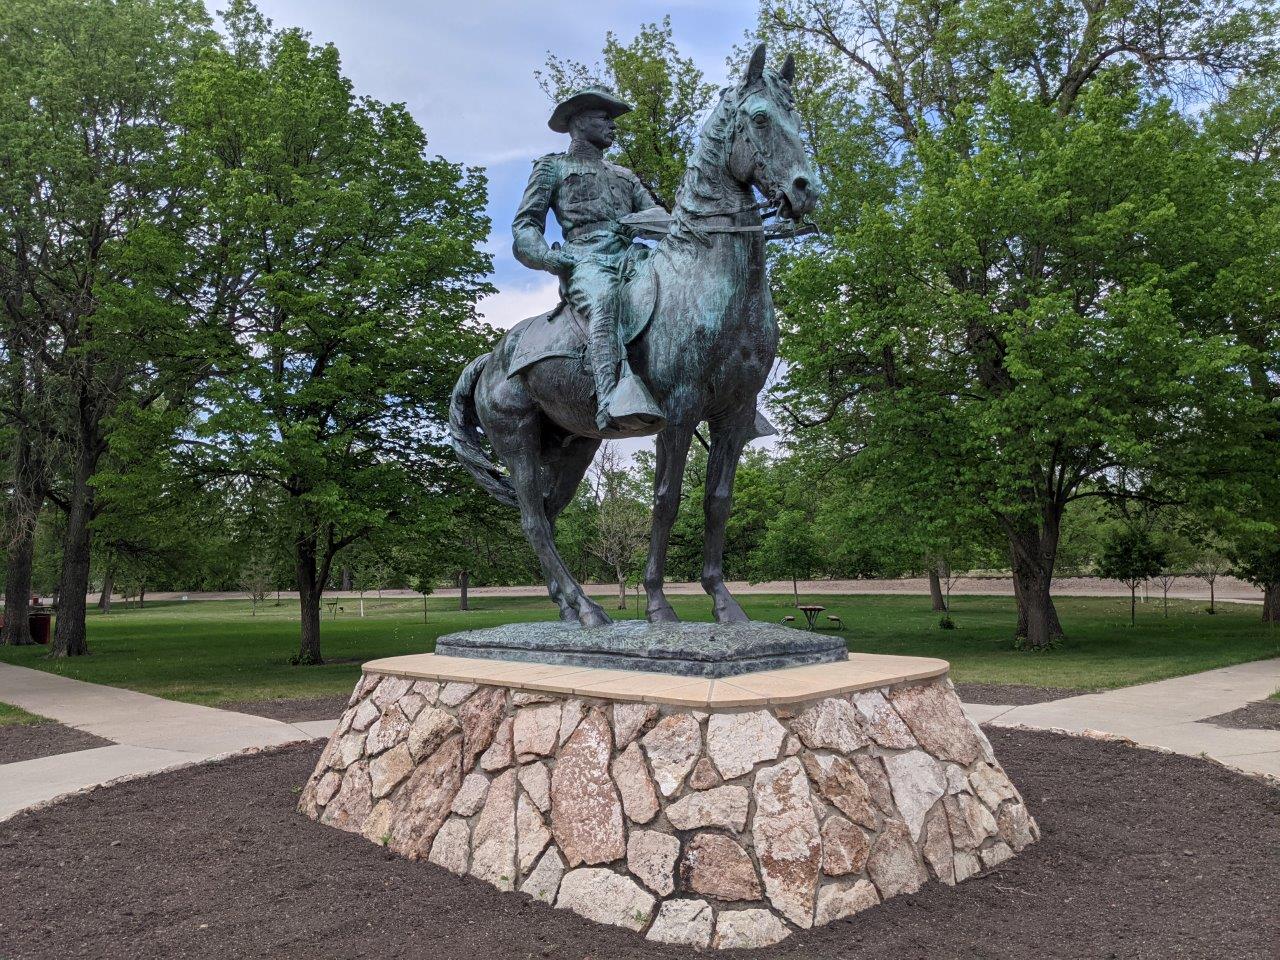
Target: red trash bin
(40, 620)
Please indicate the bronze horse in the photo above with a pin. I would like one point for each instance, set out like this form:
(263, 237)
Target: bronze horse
(708, 345)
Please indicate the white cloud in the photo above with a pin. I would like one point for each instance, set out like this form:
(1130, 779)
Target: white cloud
(512, 304)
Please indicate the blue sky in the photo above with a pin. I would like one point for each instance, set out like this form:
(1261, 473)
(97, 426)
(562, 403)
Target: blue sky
(465, 70)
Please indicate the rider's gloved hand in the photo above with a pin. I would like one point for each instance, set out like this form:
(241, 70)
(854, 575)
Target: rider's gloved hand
(560, 262)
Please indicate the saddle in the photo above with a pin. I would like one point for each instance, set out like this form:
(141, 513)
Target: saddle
(561, 332)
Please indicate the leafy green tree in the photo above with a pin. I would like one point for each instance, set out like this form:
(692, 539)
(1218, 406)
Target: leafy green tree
(346, 266)
(1131, 555)
(667, 91)
(95, 244)
(985, 321)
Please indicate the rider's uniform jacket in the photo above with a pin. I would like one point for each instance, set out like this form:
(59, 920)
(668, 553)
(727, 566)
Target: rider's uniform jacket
(589, 195)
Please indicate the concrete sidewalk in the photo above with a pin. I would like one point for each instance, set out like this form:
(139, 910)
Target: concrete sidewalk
(1166, 714)
(151, 734)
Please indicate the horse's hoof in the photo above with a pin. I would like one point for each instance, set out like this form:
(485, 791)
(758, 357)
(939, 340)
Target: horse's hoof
(662, 615)
(594, 618)
(731, 613)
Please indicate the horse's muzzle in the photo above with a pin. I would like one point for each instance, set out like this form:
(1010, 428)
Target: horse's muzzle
(798, 198)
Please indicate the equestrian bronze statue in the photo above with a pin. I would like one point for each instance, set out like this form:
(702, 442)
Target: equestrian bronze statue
(646, 339)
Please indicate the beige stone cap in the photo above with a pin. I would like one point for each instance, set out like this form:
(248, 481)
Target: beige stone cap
(862, 671)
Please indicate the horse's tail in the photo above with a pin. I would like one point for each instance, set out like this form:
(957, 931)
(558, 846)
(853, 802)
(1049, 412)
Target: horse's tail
(464, 435)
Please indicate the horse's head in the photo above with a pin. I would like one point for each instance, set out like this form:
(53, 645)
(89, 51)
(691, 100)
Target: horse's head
(768, 152)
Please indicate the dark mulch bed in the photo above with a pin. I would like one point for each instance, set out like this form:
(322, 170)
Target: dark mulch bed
(1144, 855)
(1259, 715)
(1013, 694)
(28, 741)
(292, 710)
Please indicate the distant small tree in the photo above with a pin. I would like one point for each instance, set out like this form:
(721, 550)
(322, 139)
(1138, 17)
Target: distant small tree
(622, 517)
(256, 579)
(787, 551)
(1208, 564)
(1132, 556)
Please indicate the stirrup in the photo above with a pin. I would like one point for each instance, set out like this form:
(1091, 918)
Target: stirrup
(630, 407)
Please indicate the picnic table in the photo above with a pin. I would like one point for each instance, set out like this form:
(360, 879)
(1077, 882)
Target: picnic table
(810, 611)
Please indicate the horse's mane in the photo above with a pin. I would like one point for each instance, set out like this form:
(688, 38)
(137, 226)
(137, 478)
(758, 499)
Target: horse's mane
(706, 178)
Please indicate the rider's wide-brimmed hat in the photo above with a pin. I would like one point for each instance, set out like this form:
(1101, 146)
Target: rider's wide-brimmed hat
(589, 98)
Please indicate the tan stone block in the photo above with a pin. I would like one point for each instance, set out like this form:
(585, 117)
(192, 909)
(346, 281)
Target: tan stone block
(532, 835)
(601, 895)
(353, 801)
(736, 742)
(452, 694)
(918, 782)
(493, 853)
(471, 794)
(451, 848)
(536, 781)
(390, 690)
(673, 747)
(387, 770)
(881, 723)
(839, 781)
(430, 728)
(480, 715)
(936, 846)
(748, 929)
(704, 775)
(423, 803)
(544, 882)
(536, 731)
(716, 866)
(651, 858)
(586, 812)
(629, 719)
(844, 847)
(635, 786)
(787, 842)
(830, 724)
(843, 899)
(685, 923)
(934, 714)
(893, 864)
(724, 807)
(500, 754)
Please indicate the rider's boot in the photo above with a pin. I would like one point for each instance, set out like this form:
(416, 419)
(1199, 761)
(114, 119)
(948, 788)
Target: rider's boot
(623, 403)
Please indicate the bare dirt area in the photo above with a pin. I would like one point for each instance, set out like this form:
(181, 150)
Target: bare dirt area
(291, 710)
(1259, 715)
(1145, 856)
(1013, 694)
(30, 741)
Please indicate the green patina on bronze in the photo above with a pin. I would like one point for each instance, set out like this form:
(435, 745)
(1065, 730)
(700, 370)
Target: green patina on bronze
(691, 318)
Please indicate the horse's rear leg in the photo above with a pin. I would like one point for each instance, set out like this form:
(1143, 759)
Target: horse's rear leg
(519, 447)
(567, 462)
(727, 441)
(673, 452)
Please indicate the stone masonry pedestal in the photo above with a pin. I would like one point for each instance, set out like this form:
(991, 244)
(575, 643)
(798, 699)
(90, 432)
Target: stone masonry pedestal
(711, 813)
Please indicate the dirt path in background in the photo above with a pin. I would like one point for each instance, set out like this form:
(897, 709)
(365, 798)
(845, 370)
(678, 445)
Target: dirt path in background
(1145, 856)
(1228, 589)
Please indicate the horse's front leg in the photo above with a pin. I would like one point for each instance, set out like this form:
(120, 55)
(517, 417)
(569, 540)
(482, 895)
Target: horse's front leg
(727, 440)
(668, 478)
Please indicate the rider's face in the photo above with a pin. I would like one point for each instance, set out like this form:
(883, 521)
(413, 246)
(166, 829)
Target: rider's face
(596, 127)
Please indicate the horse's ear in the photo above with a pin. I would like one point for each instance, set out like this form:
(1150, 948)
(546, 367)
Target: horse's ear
(755, 69)
(788, 71)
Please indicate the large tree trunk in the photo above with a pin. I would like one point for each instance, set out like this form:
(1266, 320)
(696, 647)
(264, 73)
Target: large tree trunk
(142, 594)
(1033, 552)
(69, 638)
(108, 584)
(24, 513)
(1271, 602)
(935, 590)
(345, 575)
(464, 579)
(17, 585)
(309, 591)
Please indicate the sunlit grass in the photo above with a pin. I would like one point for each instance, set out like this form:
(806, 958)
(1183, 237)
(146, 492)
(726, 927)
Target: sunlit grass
(218, 651)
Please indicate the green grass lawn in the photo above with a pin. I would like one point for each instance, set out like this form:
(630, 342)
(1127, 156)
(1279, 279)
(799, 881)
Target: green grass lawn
(10, 715)
(216, 652)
